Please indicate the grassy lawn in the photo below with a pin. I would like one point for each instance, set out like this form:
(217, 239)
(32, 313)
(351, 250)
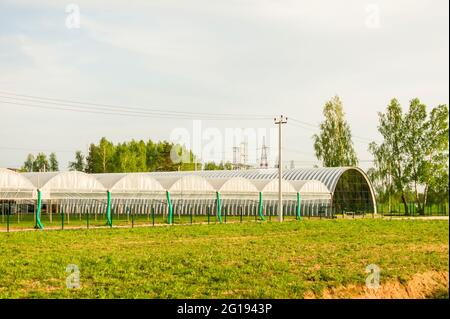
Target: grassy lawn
(27, 221)
(256, 260)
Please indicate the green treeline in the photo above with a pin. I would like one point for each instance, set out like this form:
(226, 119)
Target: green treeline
(134, 156)
(125, 157)
(40, 163)
(139, 156)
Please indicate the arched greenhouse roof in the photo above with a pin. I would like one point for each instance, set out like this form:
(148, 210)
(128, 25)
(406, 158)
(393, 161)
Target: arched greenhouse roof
(67, 184)
(327, 175)
(312, 186)
(129, 182)
(188, 183)
(349, 186)
(15, 186)
(271, 186)
(233, 185)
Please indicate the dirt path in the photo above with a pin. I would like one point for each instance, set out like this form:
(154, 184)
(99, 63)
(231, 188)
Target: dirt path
(422, 285)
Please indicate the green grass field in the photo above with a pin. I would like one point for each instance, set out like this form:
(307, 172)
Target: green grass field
(255, 260)
(27, 221)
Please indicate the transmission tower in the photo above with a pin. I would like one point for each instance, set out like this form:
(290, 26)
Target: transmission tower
(236, 156)
(264, 163)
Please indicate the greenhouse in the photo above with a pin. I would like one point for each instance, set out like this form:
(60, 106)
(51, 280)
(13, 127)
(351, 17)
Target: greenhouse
(133, 193)
(71, 193)
(14, 186)
(16, 194)
(350, 188)
(181, 197)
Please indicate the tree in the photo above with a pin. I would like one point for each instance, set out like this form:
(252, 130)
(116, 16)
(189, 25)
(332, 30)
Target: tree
(164, 159)
(389, 156)
(416, 147)
(130, 157)
(211, 166)
(79, 164)
(414, 152)
(41, 163)
(151, 156)
(333, 146)
(100, 157)
(138, 156)
(54, 166)
(434, 169)
(28, 165)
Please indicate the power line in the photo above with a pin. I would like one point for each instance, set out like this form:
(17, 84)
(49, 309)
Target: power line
(130, 114)
(35, 150)
(311, 127)
(297, 151)
(304, 123)
(120, 109)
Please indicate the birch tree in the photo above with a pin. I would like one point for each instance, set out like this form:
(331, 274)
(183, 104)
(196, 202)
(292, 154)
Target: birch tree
(333, 145)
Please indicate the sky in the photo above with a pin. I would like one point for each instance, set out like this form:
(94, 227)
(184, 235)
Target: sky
(245, 58)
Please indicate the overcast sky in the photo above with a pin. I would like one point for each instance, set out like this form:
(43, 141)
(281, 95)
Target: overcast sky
(249, 56)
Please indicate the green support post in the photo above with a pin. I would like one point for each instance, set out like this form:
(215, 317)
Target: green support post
(38, 224)
(219, 211)
(299, 202)
(260, 207)
(7, 216)
(169, 205)
(62, 218)
(108, 209)
(242, 211)
(207, 210)
(153, 216)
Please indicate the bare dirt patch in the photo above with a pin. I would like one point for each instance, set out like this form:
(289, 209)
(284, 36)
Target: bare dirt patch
(420, 286)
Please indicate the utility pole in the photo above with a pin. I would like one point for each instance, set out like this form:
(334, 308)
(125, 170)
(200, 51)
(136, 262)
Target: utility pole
(280, 121)
(390, 187)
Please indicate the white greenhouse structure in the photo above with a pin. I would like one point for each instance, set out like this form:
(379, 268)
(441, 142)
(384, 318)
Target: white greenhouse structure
(60, 198)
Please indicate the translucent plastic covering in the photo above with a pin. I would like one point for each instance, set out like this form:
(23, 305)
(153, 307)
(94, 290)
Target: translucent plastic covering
(313, 186)
(322, 191)
(271, 186)
(60, 185)
(131, 185)
(327, 175)
(233, 185)
(349, 186)
(15, 186)
(234, 188)
(186, 184)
